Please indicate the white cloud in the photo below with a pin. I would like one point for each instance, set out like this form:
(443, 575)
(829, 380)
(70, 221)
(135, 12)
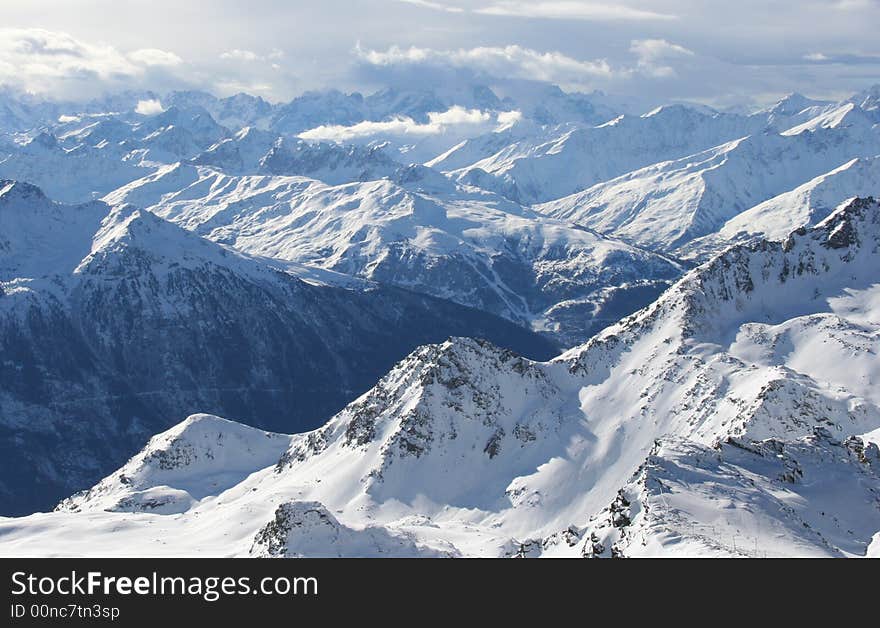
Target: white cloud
(571, 10)
(457, 115)
(39, 54)
(240, 55)
(509, 118)
(453, 119)
(651, 50)
(231, 86)
(854, 5)
(63, 66)
(437, 6)
(155, 57)
(653, 53)
(816, 56)
(149, 107)
(744, 50)
(507, 61)
(42, 61)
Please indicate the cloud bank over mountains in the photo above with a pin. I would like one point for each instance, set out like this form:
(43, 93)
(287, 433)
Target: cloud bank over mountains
(708, 52)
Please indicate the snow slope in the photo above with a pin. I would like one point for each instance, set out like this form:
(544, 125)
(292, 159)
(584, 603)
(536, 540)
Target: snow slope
(534, 172)
(252, 152)
(715, 422)
(421, 232)
(533, 164)
(666, 205)
(805, 205)
(811, 497)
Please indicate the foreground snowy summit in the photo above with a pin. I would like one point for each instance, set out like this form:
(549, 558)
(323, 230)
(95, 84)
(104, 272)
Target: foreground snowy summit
(718, 421)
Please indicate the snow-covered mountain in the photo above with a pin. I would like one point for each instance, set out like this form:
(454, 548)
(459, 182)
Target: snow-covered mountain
(537, 144)
(113, 321)
(868, 101)
(167, 137)
(545, 164)
(72, 175)
(21, 112)
(252, 152)
(89, 156)
(533, 172)
(715, 422)
(239, 154)
(548, 105)
(794, 109)
(329, 162)
(421, 232)
(666, 205)
(269, 262)
(234, 112)
(805, 205)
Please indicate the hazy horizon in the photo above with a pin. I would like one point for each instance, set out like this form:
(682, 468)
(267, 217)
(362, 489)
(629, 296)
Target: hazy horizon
(651, 51)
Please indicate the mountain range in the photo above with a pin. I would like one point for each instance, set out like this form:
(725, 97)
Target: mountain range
(113, 320)
(445, 322)
(670, 433)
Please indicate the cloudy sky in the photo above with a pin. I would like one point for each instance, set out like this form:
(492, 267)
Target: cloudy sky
(722, 53)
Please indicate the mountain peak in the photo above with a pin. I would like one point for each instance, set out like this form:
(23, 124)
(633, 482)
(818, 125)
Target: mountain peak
(132, 240)
(327, 161)
(444, 404)
(807, 255)
(42, 238)
(20, 191)
(794, 103)
(868, 99)
(196, 457)
(45, 140)
(841, 229)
